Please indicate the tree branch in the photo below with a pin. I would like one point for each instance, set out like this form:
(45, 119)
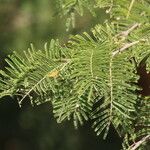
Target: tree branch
(127, 32)
(137, 144)
(47, 75)
(126, 46)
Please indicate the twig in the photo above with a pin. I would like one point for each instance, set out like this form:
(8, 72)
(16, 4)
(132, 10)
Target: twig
(124, 34)
(27, 94)
(91, 64)
(127, 32)
(137, 144)
(20, 102)
(126, 46)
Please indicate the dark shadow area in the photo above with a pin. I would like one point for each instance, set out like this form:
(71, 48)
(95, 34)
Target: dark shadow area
(34, 128)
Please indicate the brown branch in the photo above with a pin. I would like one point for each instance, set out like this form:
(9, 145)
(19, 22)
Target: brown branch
(137, 144)
(126, 46)
(127, 32)
(124, 34)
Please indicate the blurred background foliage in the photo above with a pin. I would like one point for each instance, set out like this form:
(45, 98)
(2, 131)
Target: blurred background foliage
(36, 21)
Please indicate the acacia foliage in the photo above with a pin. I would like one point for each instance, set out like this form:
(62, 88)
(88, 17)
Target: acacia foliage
(94, 76)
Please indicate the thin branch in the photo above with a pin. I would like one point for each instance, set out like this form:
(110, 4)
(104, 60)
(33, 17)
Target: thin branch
(111, 96)
(91, 64)
(20, 102)
(124, 34)
(111, 84)
(64, 65)
(127, 32)
(126, 46)
(137, 144)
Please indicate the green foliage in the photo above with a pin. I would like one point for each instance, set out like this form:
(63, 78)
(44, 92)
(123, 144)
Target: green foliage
(141, 130)
(104, 77)
(118, 10)
(23, 71)
(69, 8)
(94, 76)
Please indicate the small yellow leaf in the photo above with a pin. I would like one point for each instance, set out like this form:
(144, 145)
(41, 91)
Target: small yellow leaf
(53, 74)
